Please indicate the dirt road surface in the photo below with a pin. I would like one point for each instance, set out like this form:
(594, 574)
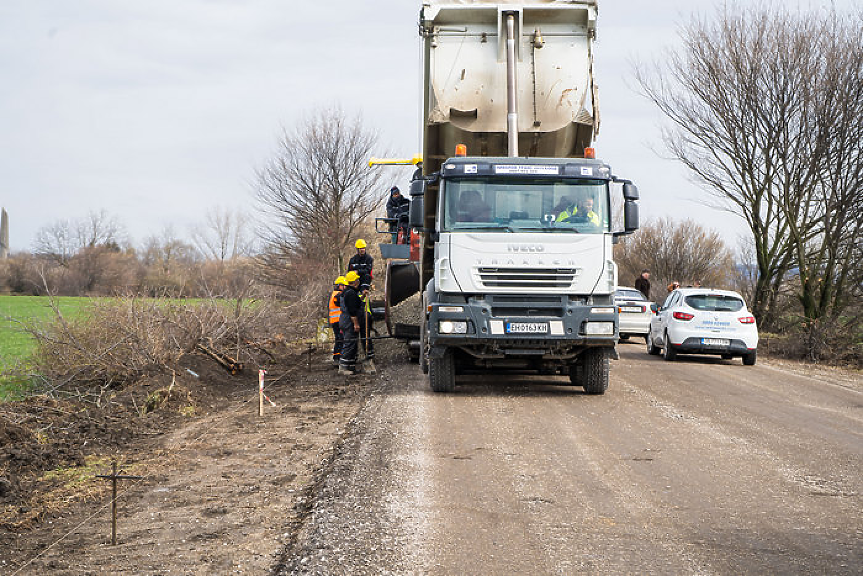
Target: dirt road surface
(698, 466)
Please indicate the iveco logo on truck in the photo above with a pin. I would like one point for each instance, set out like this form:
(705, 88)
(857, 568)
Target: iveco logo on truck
(525, 247)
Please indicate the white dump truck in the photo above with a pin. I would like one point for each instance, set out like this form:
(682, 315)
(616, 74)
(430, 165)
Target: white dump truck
(516, 266)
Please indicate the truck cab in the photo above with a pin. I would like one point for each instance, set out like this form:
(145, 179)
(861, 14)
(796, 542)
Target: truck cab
(522, 275)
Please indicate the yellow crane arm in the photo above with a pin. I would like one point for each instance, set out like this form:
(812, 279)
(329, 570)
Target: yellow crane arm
(396, 161)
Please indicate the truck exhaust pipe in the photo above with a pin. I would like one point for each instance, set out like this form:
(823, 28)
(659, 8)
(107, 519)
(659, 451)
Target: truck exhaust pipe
(511, 88)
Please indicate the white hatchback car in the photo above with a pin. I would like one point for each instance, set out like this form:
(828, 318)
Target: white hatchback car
(704, 321)
(634, 312)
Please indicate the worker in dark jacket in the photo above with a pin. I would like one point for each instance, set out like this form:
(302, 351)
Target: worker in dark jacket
(351, 309)
(362, 264)
(335, 306)
(397, 208)
(642, 283)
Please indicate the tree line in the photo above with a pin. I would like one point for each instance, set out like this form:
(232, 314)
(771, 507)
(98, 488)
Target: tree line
(765, 111)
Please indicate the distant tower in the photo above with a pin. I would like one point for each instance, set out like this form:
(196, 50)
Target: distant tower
(4, 234)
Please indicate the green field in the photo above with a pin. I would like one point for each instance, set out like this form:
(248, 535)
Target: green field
(15, 344)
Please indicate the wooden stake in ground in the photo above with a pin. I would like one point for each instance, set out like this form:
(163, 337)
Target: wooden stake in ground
(261, 392)
(114, 477)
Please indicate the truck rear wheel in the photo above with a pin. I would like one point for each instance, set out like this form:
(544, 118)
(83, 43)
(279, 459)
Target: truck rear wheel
(442, 372)
(595, 371)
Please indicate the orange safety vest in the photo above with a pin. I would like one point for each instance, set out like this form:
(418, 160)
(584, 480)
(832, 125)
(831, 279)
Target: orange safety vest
(335, 310)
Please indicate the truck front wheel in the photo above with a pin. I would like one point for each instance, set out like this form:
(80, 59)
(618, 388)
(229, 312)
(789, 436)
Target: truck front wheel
(595, 370)
(442, 372)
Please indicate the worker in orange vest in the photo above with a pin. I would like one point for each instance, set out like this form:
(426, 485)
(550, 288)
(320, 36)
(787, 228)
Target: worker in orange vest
(335, 313)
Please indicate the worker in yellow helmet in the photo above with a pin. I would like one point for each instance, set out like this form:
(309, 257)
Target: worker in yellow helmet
(362, 264)
(351, 306)
(335, 313)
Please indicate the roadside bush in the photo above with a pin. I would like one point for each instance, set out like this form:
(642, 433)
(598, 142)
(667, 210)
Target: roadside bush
(119, 340)
(826, 341)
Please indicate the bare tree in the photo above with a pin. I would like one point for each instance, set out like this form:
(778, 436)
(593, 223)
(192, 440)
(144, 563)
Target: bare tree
(682, 251)
(63, 239)
(827, 217)
(742, 99)
(224, 235)
(98, 229)
(169, 264)
(319, 189)
(56, 242)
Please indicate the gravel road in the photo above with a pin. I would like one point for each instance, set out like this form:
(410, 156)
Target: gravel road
(699, 466)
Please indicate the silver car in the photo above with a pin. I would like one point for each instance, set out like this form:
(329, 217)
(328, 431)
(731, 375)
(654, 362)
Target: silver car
(633, 311)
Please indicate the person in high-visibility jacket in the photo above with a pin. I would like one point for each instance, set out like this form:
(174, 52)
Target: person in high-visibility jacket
(583, 212)
(335, 313)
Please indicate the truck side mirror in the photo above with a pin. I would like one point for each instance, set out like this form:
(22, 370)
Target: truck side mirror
(630, 214)
(416, 214)
(630, 191)
(418, 188)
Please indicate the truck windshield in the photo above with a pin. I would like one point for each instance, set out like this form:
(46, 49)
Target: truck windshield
(523, 204)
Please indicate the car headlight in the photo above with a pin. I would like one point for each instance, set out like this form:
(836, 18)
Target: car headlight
(452, 327)
(599, 328)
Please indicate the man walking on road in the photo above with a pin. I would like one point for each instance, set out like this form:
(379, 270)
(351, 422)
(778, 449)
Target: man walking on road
(642, 283)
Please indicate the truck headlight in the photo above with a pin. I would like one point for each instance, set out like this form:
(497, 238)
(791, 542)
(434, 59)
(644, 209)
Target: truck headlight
(602, 311)
(452, 327)
(599, 328)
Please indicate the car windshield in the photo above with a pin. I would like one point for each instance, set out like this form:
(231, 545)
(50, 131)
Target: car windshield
(714, 302)
(526, 204)
(628, 295)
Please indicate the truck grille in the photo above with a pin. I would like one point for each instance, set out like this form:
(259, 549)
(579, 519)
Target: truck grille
(525, 277)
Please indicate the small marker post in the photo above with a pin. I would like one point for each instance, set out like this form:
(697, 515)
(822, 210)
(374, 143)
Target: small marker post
(261, 392)
(113, 477)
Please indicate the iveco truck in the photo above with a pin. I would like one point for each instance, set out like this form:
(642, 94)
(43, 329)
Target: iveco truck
(516, 267)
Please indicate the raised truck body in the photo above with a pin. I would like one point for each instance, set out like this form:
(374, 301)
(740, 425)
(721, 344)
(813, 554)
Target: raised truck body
(516, 266)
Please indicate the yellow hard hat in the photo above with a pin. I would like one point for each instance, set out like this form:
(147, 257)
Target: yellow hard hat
(360, 243)
(341, 280)
(351, 277)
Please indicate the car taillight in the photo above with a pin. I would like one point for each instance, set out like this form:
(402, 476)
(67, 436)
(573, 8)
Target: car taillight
(683, 316)
(747, 320)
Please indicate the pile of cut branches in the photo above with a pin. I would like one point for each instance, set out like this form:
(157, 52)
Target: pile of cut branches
(119, 340)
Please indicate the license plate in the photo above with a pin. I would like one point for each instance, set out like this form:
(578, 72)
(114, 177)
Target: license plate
(526, 327)
(715, 342)
(636, 309)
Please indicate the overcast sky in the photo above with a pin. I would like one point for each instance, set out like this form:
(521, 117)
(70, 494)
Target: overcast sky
(157, 110)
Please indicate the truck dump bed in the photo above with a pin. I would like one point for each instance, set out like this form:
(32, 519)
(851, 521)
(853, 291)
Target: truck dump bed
(465, 100)
(465, 84)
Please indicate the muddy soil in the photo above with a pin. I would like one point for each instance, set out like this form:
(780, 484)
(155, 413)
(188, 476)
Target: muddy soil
(222, 489)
